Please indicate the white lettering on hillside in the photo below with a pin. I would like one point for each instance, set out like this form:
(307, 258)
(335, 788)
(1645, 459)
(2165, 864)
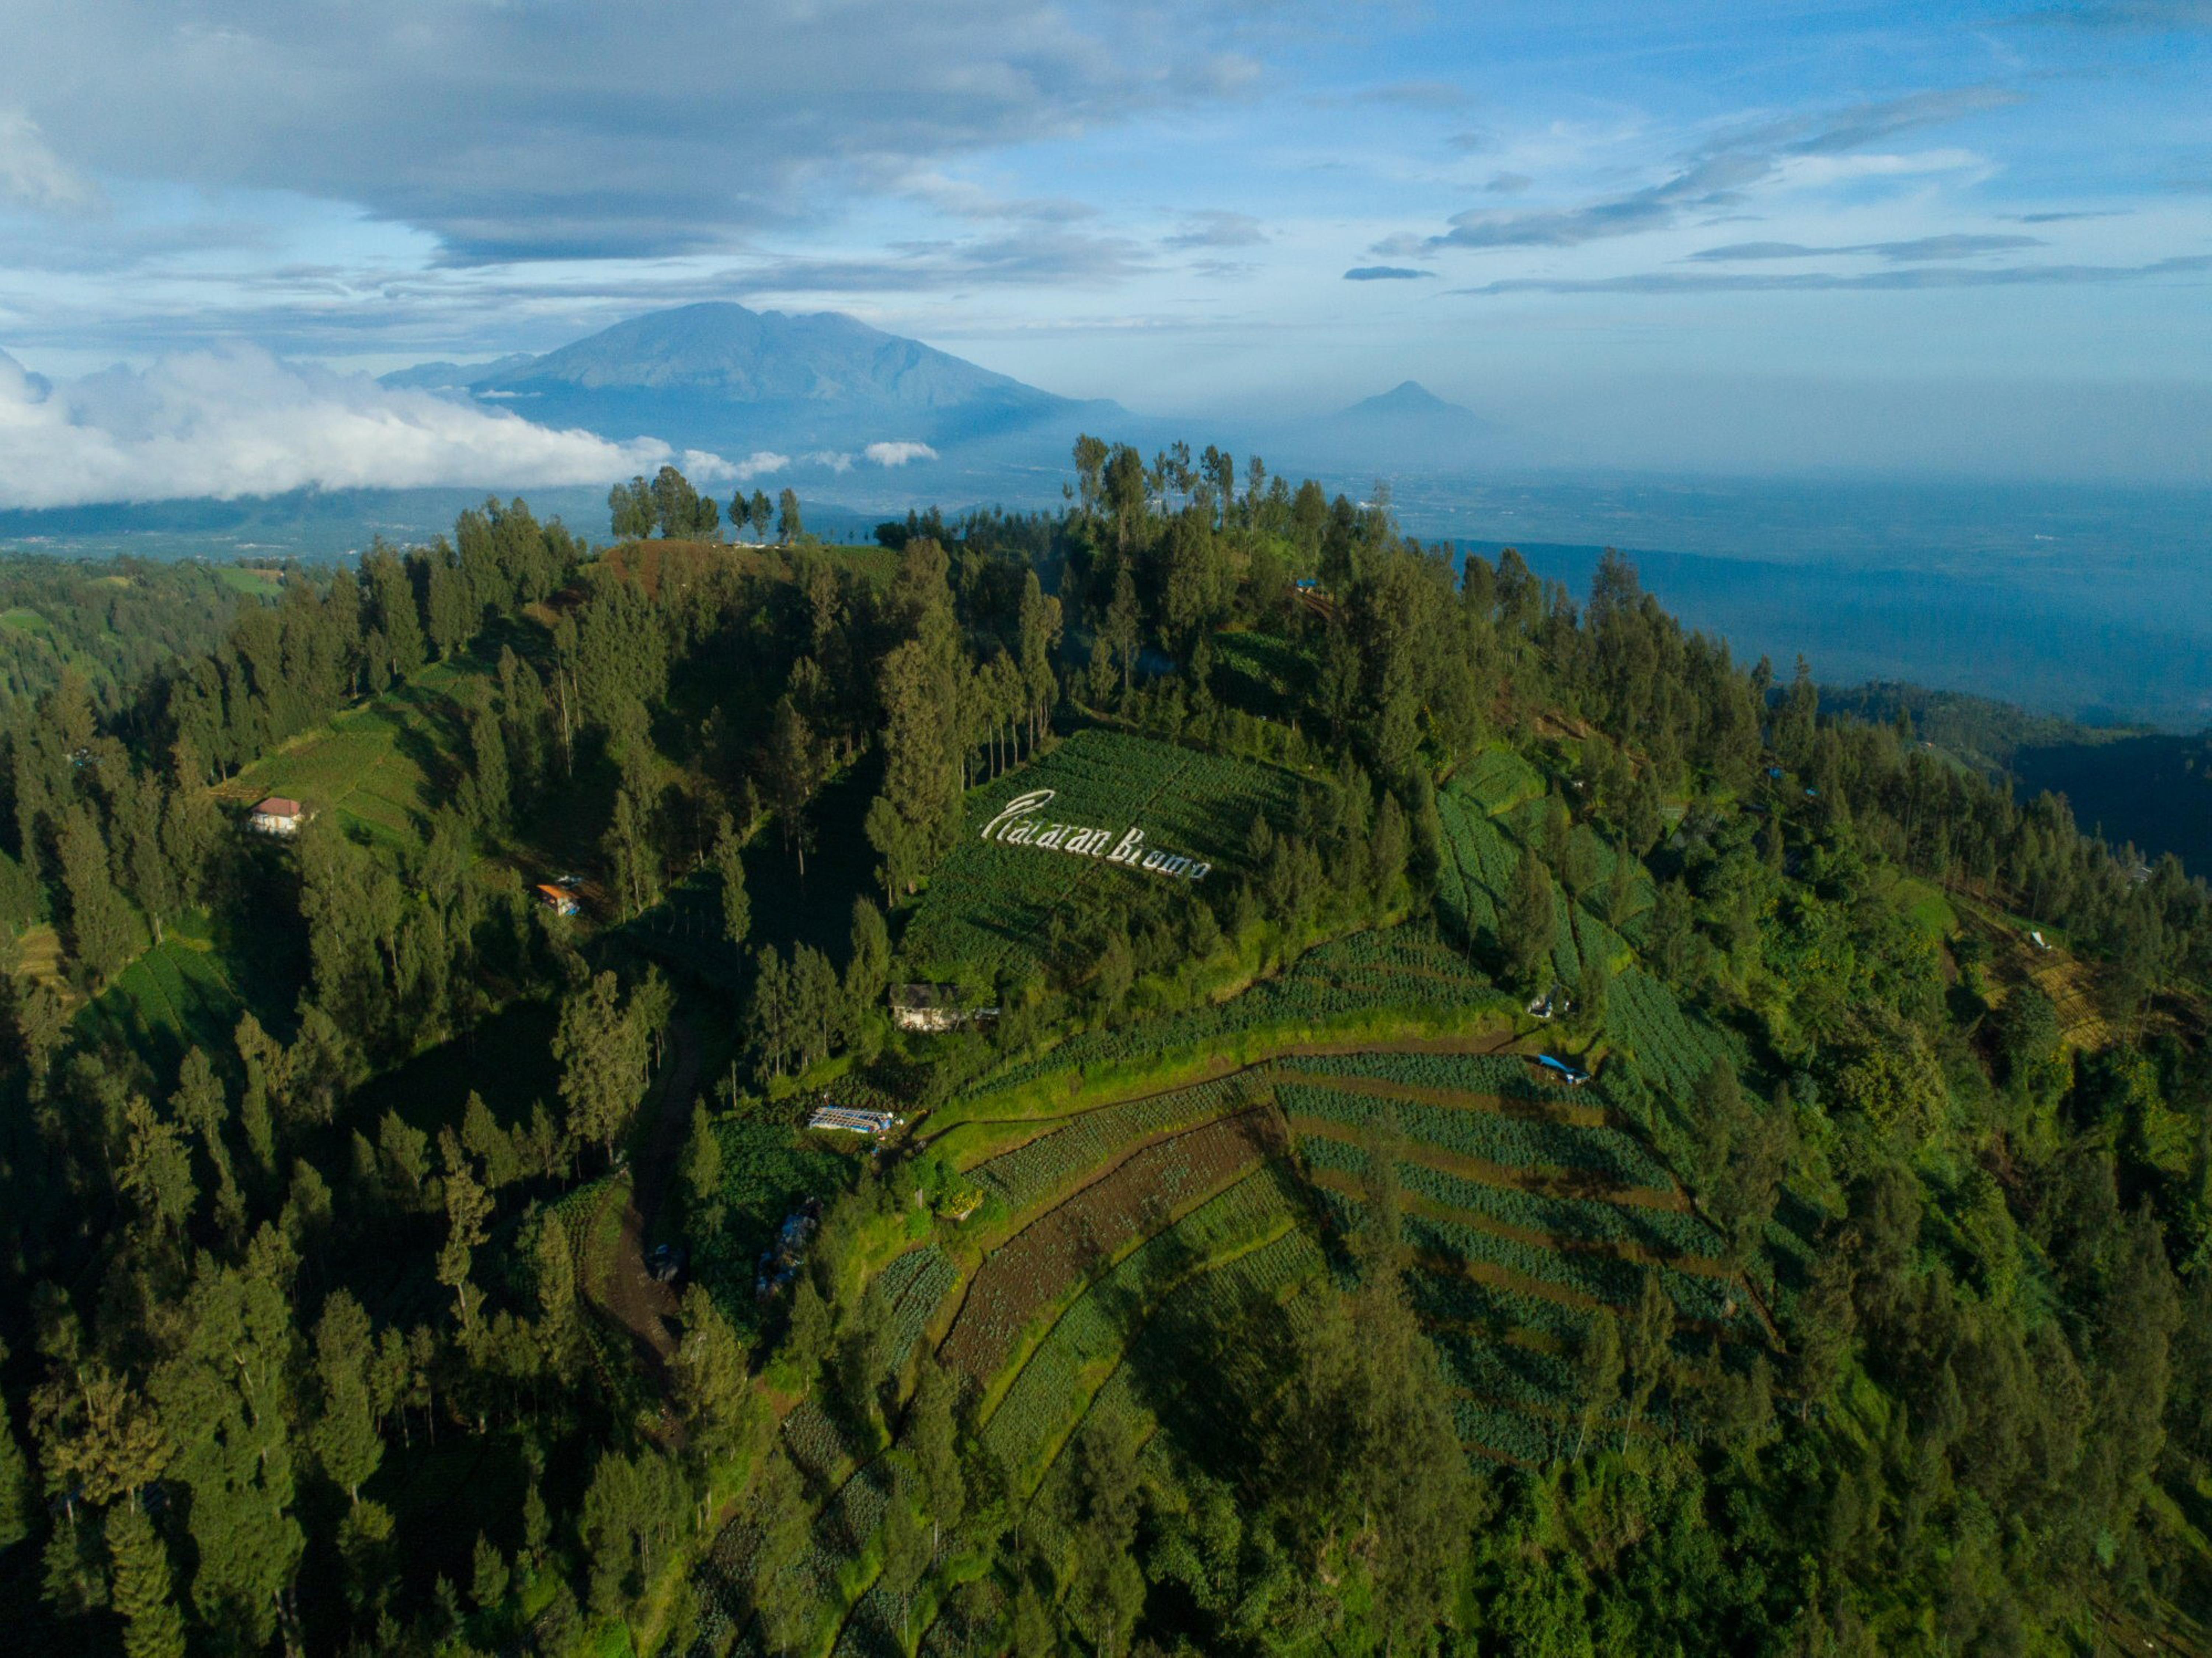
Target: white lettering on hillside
(1021, 822)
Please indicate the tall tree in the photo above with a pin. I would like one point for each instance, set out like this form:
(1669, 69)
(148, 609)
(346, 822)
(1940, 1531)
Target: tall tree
(797, 765)
(101, 930)
(730, 865)
(345, 1435)
(601, 1050)
(152, 1626)
(1527, 925)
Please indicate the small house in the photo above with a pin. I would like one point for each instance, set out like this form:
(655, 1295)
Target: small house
(934, 1008)
(1573, 1076)
(277, 815)
(558, 899)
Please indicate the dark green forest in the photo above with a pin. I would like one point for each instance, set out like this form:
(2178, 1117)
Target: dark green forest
(1547, 1140)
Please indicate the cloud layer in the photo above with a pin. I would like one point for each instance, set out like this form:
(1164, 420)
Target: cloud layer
(241, 421)
(1814, 281)
(513, 132)
(1714, 177)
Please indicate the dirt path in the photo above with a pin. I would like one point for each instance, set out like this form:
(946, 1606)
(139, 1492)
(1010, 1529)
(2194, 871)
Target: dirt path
(624, 1291)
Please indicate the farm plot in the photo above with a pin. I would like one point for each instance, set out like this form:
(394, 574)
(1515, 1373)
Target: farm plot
(1508, 1315)
(1665, 1233)
(1037, 1269)
(1497, 781)
(767, 1172)
(1444, 1297)
(1392, 969)
(1478, 863)
(382, 767)
(991, 902)
(1030, 1174)
(1480, 854)
(1481, 1078)
(912, 1288)
(1158, 1363)
(1671, 1049)
(1048, 1392)
(1604, 1279)
(1262, 672)
(175, 996)
(1601, 1156)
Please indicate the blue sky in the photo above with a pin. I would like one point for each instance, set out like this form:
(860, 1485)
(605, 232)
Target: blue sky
(1966, 239)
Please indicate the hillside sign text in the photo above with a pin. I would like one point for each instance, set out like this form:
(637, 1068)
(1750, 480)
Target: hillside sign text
(1020, 823)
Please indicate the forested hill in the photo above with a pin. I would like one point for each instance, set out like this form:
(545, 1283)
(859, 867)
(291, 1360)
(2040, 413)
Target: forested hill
(112, 622)
(2149, 792)
(1183, 1075)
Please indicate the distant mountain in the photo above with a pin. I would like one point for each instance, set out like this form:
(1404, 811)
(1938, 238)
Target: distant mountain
(452, 376)
(721, 376)
(1406, 428)
(1409, 425)
(1410, 400)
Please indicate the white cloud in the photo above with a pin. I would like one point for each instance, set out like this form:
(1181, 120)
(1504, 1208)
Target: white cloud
(31, 175)
(759, 464)
(241, 421)
(897, 454)
(837, 460)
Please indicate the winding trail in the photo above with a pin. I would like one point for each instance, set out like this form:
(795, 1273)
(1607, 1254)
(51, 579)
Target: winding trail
(619, 1284)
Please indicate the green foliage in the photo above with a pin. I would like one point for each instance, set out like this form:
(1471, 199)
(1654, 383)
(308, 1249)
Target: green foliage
(992, 907)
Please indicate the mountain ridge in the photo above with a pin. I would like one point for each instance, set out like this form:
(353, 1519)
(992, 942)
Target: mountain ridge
(719, 376)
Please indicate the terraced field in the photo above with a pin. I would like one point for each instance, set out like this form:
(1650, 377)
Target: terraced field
(1075, 1240)
(1523, 1217)
(1487, 821)
(1117, 1229)
(1401, 971)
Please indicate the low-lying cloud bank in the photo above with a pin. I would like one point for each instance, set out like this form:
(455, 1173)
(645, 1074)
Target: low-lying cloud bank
(240, 422)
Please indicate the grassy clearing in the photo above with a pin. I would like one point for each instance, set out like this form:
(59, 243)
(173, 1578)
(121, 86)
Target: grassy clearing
(381, 768)
(178, 994)
(39, 959)
(24, 620)
(260, 582)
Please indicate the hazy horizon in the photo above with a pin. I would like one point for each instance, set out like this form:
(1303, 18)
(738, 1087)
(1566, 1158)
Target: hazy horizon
(1973, 244)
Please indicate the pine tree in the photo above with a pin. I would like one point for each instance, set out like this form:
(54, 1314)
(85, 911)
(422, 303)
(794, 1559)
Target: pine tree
(488, 1575)
(468, 1207)
(19, 1496)
(702, 1173)
(100, 928)
(730, 865)
(344, 1434)
(629, 848)
(1527, 923)
(868, 969)
(152, 1626)
(601, 1050)
(712, 1385)
(797, 764)
(157, 1170)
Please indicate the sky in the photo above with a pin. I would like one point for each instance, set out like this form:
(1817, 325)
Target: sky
(1939, 239)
